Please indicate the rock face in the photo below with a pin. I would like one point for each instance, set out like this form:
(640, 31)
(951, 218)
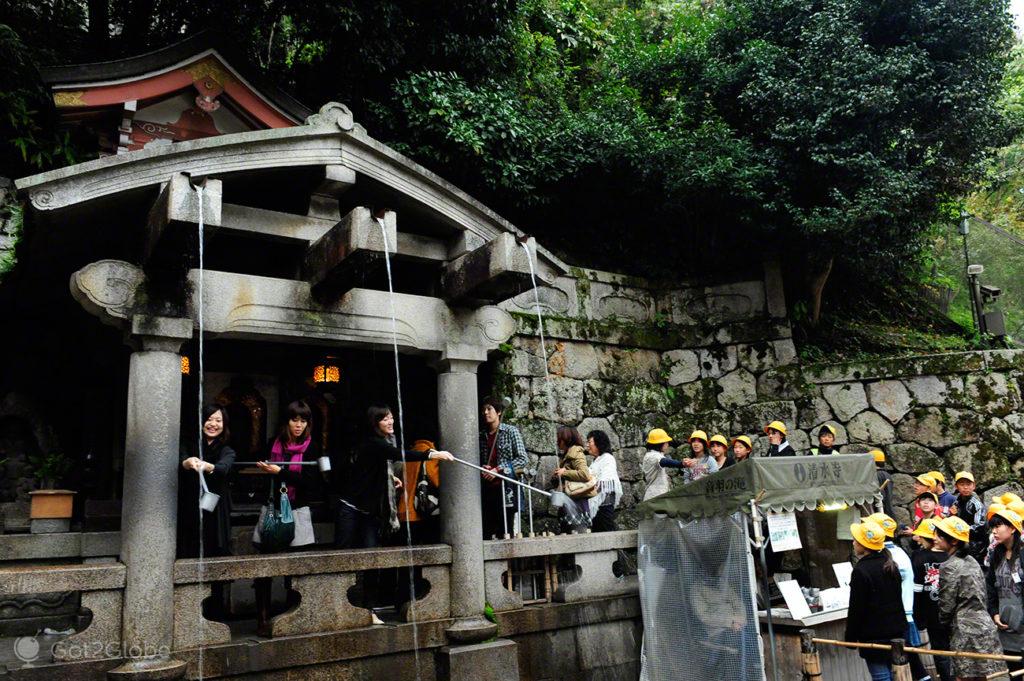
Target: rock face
(846, 399)
(939, 427)
(908, 457)
(891, 399)
(636, 358)
(869, 427)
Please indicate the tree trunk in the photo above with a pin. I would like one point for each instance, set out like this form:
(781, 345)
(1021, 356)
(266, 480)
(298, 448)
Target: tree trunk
(817, 287)
(99, 26)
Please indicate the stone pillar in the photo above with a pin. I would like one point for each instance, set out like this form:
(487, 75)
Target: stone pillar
(149, 509)
(461, 520)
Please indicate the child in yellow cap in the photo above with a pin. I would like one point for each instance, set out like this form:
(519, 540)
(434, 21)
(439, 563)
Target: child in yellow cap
(926, 562)
(962, 602)
(742, 447)
(876, 613)
(1005, 580)
(778, 445)
(970, 508)
(719, 447)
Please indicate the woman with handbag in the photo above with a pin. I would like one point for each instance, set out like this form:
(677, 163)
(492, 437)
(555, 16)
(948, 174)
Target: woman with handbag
(292, 487)
(368, 505)
(573, 475)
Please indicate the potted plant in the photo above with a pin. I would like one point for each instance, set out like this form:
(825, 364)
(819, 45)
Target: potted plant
(51, 508)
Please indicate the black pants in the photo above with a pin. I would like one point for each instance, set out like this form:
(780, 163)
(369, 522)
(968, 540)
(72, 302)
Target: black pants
(938, 638)
(354, 529)
(604, 521)
(493, 505)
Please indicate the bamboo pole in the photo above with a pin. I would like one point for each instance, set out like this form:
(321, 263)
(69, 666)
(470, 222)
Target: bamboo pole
(810, 660)
(926, 651)
(1012, 675)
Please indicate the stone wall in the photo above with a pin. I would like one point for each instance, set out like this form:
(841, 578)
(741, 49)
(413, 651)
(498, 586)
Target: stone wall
(625, 355)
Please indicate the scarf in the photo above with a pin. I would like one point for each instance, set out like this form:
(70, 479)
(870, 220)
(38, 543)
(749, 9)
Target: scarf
(606, 471)
(295, 453)
(389, 483)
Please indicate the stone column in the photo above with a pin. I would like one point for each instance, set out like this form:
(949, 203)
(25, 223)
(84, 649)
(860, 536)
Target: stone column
(461, 520)
(149, 509)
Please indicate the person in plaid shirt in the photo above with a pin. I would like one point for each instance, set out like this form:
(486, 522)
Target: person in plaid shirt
(501, 449)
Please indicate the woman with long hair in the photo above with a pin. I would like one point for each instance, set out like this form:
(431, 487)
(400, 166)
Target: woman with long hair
(1004, 583)
(572, 467)
(216, 466)
(876, 612)
(962, 601)
(303, 484)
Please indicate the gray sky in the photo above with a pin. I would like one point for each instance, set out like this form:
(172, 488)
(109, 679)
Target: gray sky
(1017, 8)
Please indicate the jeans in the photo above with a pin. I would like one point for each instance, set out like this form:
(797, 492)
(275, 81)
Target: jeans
(880, 671)
(355, 530)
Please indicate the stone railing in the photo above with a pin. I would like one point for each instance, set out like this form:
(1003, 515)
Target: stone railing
(593, 555)
(322, 580)
(102, 589)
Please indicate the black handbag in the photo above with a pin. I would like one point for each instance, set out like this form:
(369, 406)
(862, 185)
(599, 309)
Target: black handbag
(425, 500)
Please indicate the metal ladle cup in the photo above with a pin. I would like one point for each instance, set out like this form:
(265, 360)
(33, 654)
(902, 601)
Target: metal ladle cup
(207, 500)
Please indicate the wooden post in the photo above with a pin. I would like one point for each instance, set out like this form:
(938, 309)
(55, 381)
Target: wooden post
(810, 661)
(900, 662)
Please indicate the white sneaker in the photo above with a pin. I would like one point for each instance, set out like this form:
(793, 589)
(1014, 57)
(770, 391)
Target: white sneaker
(374, 619)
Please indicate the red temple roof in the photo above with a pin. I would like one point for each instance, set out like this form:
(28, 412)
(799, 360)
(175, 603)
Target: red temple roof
(199, 87)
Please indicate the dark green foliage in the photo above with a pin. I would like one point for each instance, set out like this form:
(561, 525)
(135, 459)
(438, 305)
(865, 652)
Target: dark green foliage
(653, 138)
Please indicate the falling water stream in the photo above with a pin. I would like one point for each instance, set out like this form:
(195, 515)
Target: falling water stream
(199, 376)
(401, 448)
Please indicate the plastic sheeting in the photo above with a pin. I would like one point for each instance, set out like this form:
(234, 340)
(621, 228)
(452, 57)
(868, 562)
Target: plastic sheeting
(695, 592)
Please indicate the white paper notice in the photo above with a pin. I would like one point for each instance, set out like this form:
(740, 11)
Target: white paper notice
(844, 572)
(782, 532)
(794, 599)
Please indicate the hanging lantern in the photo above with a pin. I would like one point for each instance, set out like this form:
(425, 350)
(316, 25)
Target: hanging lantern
(186, 367)
(327, 372)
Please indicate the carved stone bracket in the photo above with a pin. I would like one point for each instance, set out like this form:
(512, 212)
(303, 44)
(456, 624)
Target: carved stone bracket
(191, 629)
(436, 604)
(596, 579)
(498, 595)
(323, 606)
(102, 638)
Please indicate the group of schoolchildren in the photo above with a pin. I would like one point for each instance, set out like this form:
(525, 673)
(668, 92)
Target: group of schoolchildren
(962, 584)
(708, 455)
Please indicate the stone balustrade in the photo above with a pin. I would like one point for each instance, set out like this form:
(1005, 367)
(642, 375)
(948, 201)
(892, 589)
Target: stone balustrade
(322, 580)
(593, 555)
(102, 587)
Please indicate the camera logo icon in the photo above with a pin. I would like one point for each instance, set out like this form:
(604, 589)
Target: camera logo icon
(26, 649)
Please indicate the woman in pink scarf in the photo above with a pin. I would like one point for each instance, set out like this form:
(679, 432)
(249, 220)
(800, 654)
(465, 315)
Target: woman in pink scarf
(303, 484)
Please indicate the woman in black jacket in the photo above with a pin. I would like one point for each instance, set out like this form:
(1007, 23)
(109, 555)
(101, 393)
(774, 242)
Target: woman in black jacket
(216, 464)
(876, 604)
(368, 506)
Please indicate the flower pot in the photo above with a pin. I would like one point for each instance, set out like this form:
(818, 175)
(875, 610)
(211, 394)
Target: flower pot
(50, 510)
